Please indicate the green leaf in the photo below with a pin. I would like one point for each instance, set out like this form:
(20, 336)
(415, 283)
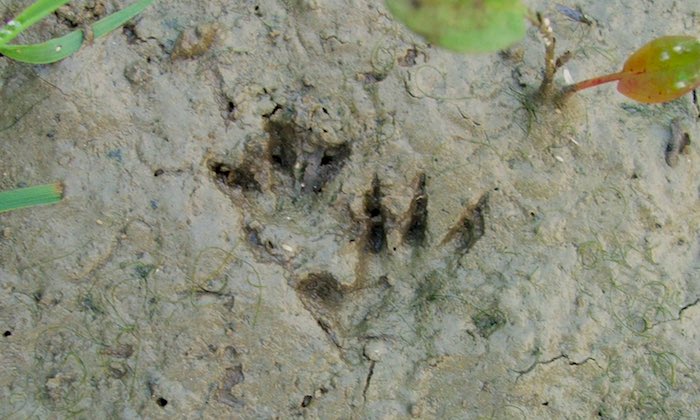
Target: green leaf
(662, 70)
(59, 48)
(29, 16)
(108, 24)
(45, 52)
(464, 25)
(30, 196)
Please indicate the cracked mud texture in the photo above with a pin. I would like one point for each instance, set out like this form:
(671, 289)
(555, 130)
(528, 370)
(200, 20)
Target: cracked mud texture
(297, 208)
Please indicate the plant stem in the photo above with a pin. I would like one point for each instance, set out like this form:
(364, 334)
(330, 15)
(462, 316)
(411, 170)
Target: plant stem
(544, 27)
(589, 83)
(569, 90)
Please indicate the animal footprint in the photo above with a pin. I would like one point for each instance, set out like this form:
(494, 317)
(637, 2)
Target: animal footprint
(350, 257)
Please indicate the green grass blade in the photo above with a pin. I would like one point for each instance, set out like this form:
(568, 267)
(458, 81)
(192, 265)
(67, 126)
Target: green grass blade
(46, 52)
(59, 48)
(31, 196)
(109, 23)
(29, 16)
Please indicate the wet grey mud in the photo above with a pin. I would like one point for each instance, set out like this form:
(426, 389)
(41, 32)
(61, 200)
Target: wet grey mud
(298, 208)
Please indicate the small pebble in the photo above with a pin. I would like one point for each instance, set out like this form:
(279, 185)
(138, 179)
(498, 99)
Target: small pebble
(375, 350)
(678, 142)
(138, 73)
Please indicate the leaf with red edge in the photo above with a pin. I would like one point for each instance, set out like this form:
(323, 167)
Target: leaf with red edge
(662, 70)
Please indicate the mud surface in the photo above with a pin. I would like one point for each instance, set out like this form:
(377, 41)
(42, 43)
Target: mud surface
(297, 208)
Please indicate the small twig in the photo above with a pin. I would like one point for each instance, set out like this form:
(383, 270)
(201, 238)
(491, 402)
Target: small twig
(544, 26)
(551, 62)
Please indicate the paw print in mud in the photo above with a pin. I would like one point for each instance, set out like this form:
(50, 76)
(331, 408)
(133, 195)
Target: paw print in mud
(350, 256)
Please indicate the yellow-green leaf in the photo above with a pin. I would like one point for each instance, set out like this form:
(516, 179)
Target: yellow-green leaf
(464, 25)
(662, 70)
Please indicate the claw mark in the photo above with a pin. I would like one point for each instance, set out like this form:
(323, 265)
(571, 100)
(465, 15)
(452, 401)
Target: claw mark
(418, 221)
(241, 176)
(375, 240)
(282, 147)
(470, 228)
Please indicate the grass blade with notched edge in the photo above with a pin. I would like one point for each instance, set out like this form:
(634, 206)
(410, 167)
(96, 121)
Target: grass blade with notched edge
(31, 196)
(29, 16)
(59, 48)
